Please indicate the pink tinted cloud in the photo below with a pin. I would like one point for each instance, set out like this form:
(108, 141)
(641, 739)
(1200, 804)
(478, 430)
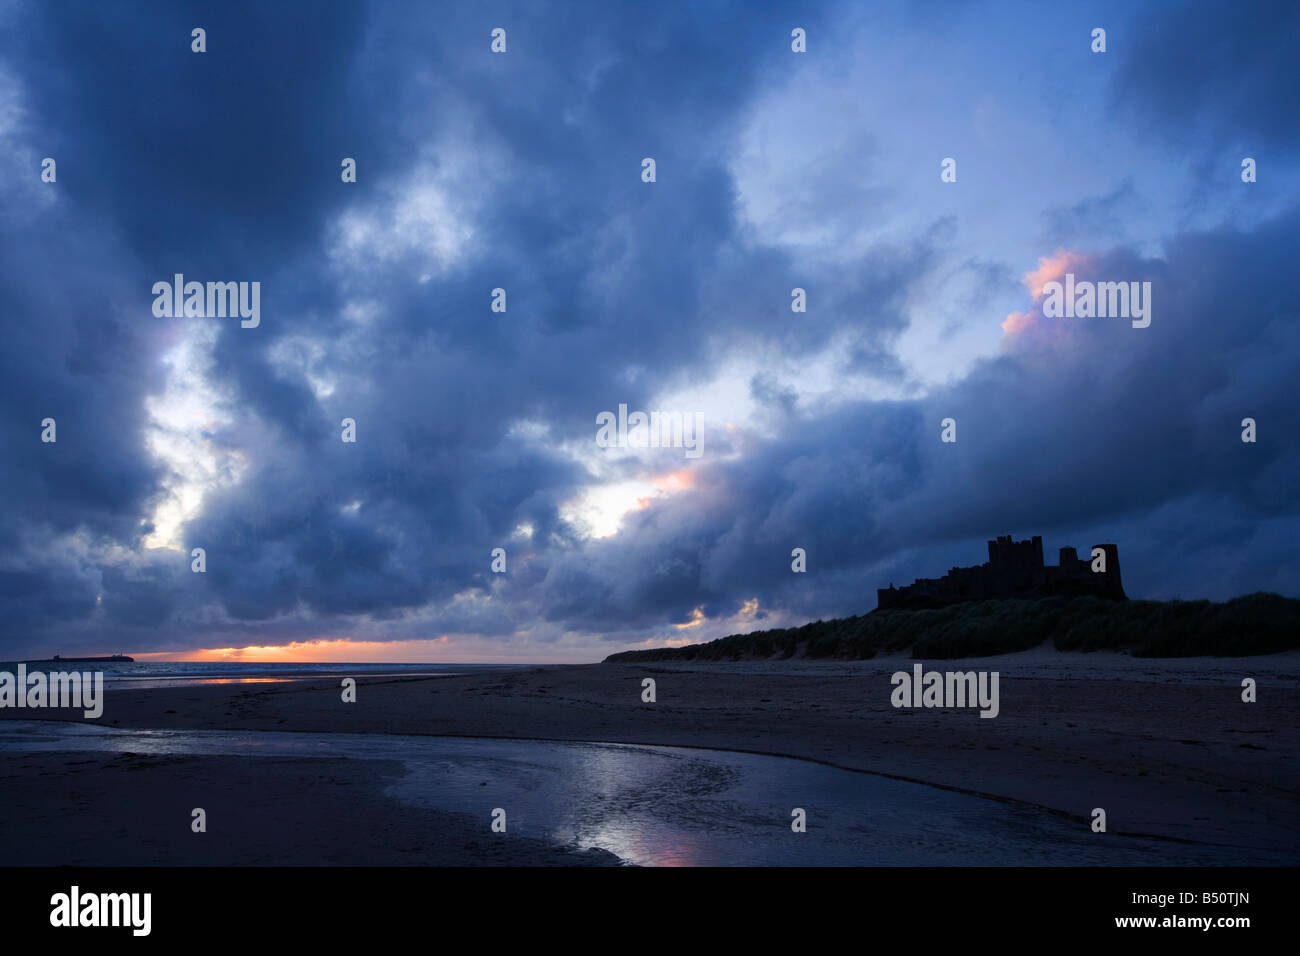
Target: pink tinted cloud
(1050, 268)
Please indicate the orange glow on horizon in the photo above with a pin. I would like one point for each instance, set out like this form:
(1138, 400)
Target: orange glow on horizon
(338, 650)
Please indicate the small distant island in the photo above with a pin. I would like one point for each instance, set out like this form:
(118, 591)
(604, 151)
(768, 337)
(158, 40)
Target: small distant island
(1015, 602)
(57, 659)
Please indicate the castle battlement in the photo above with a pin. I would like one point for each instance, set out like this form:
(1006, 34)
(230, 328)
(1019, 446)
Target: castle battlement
(1015, 569)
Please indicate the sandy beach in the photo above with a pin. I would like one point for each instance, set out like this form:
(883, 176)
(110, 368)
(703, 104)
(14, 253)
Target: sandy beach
(1168, 748)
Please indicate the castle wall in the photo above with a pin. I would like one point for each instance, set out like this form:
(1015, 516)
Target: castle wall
(1015, 569)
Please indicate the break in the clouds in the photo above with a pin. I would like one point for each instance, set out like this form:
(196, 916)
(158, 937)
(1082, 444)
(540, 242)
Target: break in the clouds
(476, 428)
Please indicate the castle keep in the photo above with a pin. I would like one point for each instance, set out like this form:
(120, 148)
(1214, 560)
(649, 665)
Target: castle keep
(1014, 569)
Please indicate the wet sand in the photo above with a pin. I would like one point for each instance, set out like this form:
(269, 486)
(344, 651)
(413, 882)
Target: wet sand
(1167, 748)
(135, 810)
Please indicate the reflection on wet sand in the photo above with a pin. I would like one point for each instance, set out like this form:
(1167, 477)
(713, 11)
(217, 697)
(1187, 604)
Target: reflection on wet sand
(673, 806)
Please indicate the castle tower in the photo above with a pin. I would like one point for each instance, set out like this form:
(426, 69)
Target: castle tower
(1114, 585)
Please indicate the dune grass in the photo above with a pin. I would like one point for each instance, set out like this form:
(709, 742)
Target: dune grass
(1261, 623)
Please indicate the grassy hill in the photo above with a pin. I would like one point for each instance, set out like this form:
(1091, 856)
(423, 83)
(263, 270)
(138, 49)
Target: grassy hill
(1261, 623)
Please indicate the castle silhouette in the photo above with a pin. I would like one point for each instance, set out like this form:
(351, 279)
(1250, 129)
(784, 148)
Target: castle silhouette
(1014, 569)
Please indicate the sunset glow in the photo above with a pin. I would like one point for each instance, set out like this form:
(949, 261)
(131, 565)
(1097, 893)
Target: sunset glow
(1050, 268)
(344, 650)
(601, 509)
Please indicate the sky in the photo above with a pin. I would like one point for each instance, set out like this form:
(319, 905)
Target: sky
(522, 170)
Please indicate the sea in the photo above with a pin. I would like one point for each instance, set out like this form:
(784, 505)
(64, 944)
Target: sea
(123, 675)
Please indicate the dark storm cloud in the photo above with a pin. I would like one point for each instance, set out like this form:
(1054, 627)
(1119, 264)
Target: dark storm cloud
(1204, 75)
(225, 166)
(219, 160)
(1084, 430)
(1095, 219)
